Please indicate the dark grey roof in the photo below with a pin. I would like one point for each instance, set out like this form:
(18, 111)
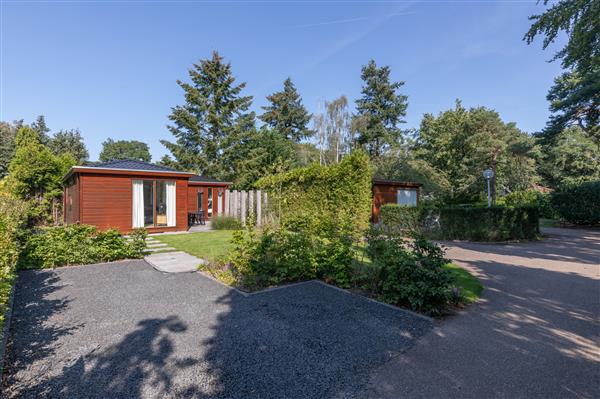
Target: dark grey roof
(199, 178)
(132, 164)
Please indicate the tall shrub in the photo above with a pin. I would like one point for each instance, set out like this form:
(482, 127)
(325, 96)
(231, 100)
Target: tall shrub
(579, 204)
(320, 212)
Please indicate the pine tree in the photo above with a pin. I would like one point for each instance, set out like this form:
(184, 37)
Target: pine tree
(42, 129)
(212, 120)
(286, 114)
(380, 108)
(69, 142)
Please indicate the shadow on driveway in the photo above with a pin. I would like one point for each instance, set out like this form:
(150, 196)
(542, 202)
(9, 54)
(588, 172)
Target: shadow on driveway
(126, 330)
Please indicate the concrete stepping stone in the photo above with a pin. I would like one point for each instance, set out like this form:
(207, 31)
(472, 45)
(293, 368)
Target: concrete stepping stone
(174, 262)
(156, 249)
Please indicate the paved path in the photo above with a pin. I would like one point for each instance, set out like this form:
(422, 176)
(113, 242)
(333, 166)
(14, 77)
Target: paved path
(168, 260)
(125, 330)
(534, 334)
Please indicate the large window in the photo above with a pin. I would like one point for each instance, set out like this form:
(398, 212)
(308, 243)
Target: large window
(407, 197)
(153, 203)
(209, 206)
(200, 199)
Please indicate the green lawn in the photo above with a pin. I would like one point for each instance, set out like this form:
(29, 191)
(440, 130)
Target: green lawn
(469, 284)
(206, 245)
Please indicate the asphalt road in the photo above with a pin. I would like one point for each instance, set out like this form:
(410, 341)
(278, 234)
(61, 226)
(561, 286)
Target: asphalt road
(534, 334)
(127, 330)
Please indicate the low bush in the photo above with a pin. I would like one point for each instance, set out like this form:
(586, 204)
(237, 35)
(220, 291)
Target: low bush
(409, 272)
(79, 244)
(221, 222)
(579, 204)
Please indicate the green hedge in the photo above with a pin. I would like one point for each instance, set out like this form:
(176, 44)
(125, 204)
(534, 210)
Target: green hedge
(531, 198)
(221, 222)
(13, 217)
(579, 204)
(475, 223)
(497, 223)
(79, 244)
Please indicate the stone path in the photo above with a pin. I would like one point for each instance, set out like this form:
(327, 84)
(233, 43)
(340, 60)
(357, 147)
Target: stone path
(168, 260)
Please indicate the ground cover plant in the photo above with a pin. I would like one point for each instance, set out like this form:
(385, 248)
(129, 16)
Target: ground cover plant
(79, 244)
(221, 222)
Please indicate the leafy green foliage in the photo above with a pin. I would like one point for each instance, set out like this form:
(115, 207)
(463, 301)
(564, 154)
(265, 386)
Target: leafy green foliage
(459, 144)
(79, 244)
(69, 142)
(8, 131)
(379, 110)
(400, 219)
(530, 198)
(213, 119)
(579, 204)
(35, 174)
(124, 149)
(571, 158)
(409, 272)
(575, 96)
(479, 223)
(286, 114)
(221, 222)
(321, 212)
(264, 152)
(13, 217)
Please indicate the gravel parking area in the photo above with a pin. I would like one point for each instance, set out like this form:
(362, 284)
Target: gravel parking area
(127, 330)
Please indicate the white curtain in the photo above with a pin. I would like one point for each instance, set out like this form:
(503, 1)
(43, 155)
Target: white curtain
(138, 203)
(171, 209)
(407, 197)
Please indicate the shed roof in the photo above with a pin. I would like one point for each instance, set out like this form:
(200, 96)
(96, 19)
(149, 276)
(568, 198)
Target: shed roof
(390, 182)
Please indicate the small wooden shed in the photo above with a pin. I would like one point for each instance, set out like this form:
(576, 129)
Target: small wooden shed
(393, 192)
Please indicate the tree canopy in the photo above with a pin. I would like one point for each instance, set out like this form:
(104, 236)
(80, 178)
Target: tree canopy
(286, 114)
(124, 149)
(460, 144)
(575, 96)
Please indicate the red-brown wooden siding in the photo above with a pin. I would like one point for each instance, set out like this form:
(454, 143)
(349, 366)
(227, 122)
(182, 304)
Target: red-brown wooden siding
(106, 201)
(387, 193)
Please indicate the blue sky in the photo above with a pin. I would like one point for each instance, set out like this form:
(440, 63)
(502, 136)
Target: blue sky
(109, 68)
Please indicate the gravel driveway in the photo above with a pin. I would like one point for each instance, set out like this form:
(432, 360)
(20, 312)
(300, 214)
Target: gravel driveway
(126, 330)
(534, 334)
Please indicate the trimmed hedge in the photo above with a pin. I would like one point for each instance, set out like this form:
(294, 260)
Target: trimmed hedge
(531, 198)
(497, 223)
(579, 204)
(474, 223)
(79, 244)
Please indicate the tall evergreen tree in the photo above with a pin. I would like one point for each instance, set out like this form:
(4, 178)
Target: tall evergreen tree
(286, 114)
(381, 108)
(575, 96)
(213, 118)
(8, 132)
(39, 125)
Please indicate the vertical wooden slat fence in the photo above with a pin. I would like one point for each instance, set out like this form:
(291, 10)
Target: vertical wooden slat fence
(243, 204)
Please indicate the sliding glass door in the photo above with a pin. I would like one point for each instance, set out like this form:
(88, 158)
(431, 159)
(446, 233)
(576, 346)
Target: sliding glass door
(153, 203)
(148, 203)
